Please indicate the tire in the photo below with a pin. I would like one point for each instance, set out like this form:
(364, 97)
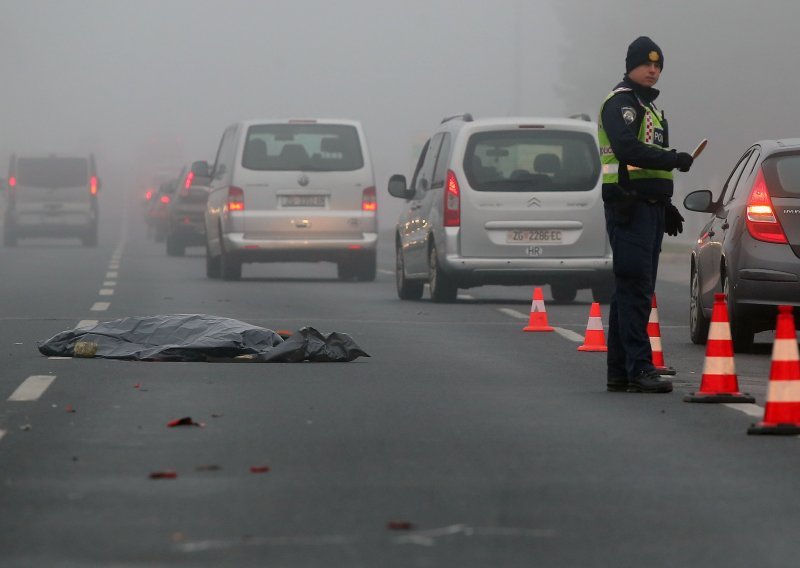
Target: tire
(175, 246)
(367, 267)
(698, 322)
(230, 268)
(345, 270)
(213, 268)
(741, 333)
(603, 291)
(563, 293)
(443, 288)
(406, 289)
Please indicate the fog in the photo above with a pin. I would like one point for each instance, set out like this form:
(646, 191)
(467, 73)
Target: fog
(117, 76)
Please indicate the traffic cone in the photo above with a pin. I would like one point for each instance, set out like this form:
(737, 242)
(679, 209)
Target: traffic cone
(719, 383)
(782, 411)
(538, 318)
(654, 332)
(595, 338)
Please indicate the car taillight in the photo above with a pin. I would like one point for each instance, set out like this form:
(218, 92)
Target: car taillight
(12, 182)
(93, 185)
(235, 198)
(164, 199)
(761, 221)
(369, 200)
(452, 201)
(12, 187)
(187, 184)
(148, 195)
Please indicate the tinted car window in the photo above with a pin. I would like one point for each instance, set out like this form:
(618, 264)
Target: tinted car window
(532, 160)
(782, 174)
(52, 172)
(441, 163)
(312, 147)
(426, 173)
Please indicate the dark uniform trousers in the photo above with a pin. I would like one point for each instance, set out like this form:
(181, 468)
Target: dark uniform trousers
(636, 247)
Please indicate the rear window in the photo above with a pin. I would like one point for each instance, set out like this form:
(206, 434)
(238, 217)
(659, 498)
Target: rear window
(309, 147)
(782, 174)
(532, 160)
(53, 172)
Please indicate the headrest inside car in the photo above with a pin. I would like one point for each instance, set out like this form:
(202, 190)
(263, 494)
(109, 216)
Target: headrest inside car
(547, 164)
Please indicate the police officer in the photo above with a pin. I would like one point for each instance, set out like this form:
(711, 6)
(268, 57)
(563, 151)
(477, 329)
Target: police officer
(637, 189)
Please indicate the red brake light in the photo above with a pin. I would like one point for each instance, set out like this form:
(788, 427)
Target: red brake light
(187, 184)
(93, 185)
(761, 221)
(164, 199)
(369, 200)
(452, 201)
(12, 182)
(148, 195)
(235, 198)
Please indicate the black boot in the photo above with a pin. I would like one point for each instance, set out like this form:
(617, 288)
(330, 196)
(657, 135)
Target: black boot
(617, 384)
(649, 381)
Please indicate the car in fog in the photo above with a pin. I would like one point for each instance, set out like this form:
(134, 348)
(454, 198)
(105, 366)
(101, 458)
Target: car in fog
(750, 247)
(186, 209)
(504, 201)
(292, 191)
(51, 196)
(158, 210)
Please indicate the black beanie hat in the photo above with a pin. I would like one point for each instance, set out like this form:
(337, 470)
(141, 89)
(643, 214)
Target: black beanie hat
(643, 50)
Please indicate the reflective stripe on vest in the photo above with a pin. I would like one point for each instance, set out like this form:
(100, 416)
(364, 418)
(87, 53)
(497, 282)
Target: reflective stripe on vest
(650, 124)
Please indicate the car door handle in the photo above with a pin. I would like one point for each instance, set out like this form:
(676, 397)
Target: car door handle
(725, 225)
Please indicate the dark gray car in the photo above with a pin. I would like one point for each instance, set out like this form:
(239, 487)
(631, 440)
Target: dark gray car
(750, 247)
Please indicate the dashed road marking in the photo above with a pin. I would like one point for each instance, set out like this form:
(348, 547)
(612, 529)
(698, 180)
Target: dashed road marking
(110, 283)
(106, 291)
(569, 334)
(112, 274)
(513, 313)
(384, 271)
(2, 433)
(86, 324)
(32, 388)
(113, 266)
(100, 306)
(752, 410)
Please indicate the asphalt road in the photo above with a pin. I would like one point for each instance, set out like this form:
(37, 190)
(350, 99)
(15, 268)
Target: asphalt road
(461, 441)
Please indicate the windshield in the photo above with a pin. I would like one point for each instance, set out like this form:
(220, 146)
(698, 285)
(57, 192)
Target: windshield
(532, 160)
(52, 172)
(309, 147)
(783, 175)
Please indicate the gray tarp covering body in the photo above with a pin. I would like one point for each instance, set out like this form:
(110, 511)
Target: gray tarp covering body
(197, 337)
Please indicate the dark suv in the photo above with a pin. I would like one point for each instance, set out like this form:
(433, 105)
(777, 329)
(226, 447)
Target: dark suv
(186, 209)
(51, 196)
(750, 247)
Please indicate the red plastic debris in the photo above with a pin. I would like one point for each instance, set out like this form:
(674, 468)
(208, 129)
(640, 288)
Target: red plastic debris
(259, 469)
(69, 409)
(399, 525)
(185, 421)
(137, 386)
(166, 474)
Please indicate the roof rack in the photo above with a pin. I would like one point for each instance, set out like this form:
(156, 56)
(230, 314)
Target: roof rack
(581, 116)
(466, 117)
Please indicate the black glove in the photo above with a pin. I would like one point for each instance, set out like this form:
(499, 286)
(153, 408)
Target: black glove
(673, 220)
(683, 161)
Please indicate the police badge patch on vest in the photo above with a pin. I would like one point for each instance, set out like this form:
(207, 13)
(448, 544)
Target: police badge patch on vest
(628, 114)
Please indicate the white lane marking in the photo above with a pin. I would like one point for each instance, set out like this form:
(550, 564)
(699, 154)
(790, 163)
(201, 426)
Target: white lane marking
(384, 271)
(86, 324)
(513, 313)
(55, 358)
(112, 274)
(465, 297)
(106, 291)
(113, 266)
(31, 388)
(569, 334)
(2, 433)
(752, 410)
(110, 283)
(100, 306)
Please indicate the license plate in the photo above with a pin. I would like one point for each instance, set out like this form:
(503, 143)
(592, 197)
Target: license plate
(303, 200)
(534, 236)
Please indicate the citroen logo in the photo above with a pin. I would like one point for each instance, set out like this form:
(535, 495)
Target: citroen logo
(303, 180)
(534, 202)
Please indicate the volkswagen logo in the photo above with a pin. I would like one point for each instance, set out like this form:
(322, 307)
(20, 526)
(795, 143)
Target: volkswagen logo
(303, 180)
(534, 202)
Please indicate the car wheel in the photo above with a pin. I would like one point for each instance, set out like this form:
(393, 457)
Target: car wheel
(367, 267)
(603, 291)
(741, 333)
(230, 268)
(563, 293)
(698, 322)
(345, 270)
(443, 287)
(175, 246)
(213, 268)
(406, 289)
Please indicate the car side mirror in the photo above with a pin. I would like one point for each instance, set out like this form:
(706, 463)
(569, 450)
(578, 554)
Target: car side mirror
(701, 201)
(399, 188)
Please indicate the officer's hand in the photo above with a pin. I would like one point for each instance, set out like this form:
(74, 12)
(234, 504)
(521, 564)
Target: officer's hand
(683, 161)
(673, 220)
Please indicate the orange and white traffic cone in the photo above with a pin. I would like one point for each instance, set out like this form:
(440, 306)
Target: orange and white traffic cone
(782, 410)
(595, 338)
(654, 332)
(538, 318)
(719, 382)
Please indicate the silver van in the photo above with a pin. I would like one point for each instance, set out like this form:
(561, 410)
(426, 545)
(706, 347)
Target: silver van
(51, 196)
(292, 191)
(504, 201)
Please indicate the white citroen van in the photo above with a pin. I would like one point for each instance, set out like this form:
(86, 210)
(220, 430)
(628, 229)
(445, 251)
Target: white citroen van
(292, 191)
